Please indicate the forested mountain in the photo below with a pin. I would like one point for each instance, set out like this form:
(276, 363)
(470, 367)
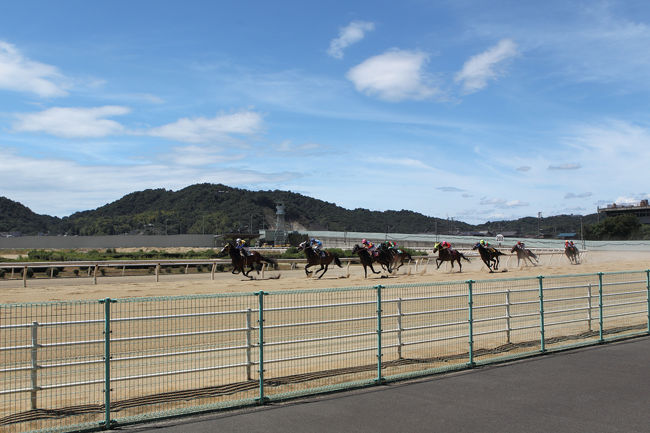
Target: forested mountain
(16, 218)
(210, 208)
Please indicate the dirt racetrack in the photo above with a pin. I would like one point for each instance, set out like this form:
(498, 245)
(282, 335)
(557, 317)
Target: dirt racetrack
(82, 288)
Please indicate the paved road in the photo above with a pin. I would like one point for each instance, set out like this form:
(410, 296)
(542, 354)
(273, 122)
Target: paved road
(596, 389)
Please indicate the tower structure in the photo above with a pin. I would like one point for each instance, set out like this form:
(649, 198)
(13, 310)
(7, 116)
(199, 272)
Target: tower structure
(280, 231)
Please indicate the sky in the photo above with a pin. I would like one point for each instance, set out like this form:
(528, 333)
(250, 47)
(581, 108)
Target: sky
(471, 110)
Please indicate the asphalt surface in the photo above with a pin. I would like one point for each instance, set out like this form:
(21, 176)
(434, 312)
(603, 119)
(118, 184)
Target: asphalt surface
(596, 389)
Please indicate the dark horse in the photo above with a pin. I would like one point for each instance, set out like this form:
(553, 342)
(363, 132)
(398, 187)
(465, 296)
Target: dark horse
(366, 260)
(490, 256)
(314, 258)
(448, 255)
(239, 262)
(524, 254)
(397, 255)
(572, 254)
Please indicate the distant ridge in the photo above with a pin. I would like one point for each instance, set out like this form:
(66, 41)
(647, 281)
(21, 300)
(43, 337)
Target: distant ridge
(216, 208)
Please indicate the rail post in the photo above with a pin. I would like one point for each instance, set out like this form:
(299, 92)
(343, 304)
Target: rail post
(541, 314)
(25, 276)
(34, 370)
(260, 320)
(508, 315)
(600, 307)
(106, 424)
(470, 319)
(95, 274)
(647, 273)
(249, 329)
(589, 317)
(379, 351)
(399, 328)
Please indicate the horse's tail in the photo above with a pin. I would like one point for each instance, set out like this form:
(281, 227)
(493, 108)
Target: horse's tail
(338, 261)
(463, 256)
(269, 260)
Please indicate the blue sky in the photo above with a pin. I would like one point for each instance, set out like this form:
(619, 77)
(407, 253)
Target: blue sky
(463, 109)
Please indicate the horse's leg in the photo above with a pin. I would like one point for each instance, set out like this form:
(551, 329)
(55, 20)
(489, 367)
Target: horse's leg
(373, 269)
(306, 271)
(438, 263)
(460, 266)
(325, 270)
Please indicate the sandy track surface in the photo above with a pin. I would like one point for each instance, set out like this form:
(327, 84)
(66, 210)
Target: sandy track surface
(83, 288)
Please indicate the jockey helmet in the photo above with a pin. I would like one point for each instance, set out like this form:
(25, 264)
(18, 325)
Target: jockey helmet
(312, 240)
(364, 241)
(482, 242)
(238, 240)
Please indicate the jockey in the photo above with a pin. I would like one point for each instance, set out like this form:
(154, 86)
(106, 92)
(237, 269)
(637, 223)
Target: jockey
(521, 244)
(240, 244)
(484, 244)
(369, 246)
(566, 243)
(445, 245)
(316, 245)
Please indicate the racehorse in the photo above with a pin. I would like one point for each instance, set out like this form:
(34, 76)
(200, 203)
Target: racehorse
(397, 255)
(314, 258)
(490, 256)
(448, 255)
(239, 262)
(524, 254)
(572, 254)
(365, 258)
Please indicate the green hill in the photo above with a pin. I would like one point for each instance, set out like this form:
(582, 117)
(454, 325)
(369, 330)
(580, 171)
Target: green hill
(16, 218)
(216, 208)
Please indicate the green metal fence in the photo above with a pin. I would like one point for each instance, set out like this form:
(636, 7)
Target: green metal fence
(91, 365)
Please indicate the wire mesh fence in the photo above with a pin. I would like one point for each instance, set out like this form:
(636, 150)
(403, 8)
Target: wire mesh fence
(84, 365)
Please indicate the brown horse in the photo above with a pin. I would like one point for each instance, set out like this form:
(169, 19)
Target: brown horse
(397, 256)
(365, 259)
(489, 255)
(524, 254)
(239, 261)
(572, 254)
(448, 255)
(314, 258)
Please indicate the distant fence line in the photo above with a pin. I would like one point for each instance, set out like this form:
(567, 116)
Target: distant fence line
(93, 268)
(86, 364)
(331, 239)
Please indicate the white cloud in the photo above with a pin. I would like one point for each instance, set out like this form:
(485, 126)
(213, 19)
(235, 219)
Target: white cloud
(570, 195)
(404, 162)
(568, 166)
(524, 168)
(288, 146)
(481, 68)
(194, 155)
(73, 122)
(18, 73)
(516, 203)
(61, 187)
(348, 35)
(393, 76)
(201, 129)
(449, 189)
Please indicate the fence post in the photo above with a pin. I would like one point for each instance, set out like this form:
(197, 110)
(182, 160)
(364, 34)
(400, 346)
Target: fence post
(260, 320)
(589, 317)
(249, 361)
(25, 276)
(541, 314)
(399, 328)
(379, 348)
(600, 307)
(470, 303)
(648, 297)
(34, 371)
(647, 272)
(508, 314)
(107, 363)
(95, 274)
